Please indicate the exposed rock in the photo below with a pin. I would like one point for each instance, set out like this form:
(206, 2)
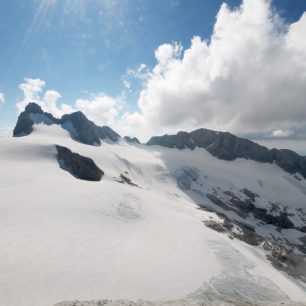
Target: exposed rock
(125, 180)
(248, 236)
(85, 131)
(252, 195)
(227, 146)
(277, 251)
(186, 176)
(79, 166)
(214, 199)
(77, 124)
(132, 140)
(24, 125)
(106, 132)
(32, 114)
(245, 207)
(80, 128)
(216, 226)
(284, 259)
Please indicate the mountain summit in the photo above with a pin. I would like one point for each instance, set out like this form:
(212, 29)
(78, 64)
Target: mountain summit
(77, 124)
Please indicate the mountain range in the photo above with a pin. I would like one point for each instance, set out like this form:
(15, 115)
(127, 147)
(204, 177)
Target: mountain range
(204, 216)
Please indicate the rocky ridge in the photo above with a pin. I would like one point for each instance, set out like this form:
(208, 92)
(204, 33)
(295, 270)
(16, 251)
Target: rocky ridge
(77, 124)
(227, 146)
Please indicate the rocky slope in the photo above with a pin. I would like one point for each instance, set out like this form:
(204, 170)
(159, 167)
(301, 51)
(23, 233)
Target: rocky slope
(226, 146)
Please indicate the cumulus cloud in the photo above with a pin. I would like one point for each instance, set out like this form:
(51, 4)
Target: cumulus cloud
(33, 91)
(282, 133)
(100, 108)
(2, 99)
(249, 77)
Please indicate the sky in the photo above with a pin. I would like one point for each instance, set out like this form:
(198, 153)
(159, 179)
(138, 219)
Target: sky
(150, 67)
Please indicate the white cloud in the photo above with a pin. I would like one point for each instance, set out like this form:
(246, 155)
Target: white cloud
(100, 108)
(33, 92)
(2, 99)
(282, 133)
(248, 78)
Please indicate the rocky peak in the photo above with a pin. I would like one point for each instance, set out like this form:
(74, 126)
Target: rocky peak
(32, 114)
(132, 140)
(227, 146)
(33, 108)
(77, 124)
(86, 131)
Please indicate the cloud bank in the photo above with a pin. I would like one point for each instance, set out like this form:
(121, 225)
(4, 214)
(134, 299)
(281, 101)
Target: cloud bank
(249, 78)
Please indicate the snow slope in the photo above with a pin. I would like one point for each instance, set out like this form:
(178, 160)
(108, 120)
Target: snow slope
(66, 239)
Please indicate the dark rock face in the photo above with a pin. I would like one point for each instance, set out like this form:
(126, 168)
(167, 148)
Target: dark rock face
(244, 207)
(106, 132)
(24, 125)
(132, 140)
(31, 115)
(80, 128)
(226, 146)
(85, 131)
(79, 166)
(77, 124)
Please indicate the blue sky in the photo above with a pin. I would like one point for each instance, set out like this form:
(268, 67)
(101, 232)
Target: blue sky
(81, 48)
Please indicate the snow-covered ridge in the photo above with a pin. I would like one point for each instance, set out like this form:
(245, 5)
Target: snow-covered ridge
(162, 224)
(79, 127)
(227, 146)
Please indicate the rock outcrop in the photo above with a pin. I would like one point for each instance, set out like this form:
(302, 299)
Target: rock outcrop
(226, 146)
(132, 140)
(79, 166)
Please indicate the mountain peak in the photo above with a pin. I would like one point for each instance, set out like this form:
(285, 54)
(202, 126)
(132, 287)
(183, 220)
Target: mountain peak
(77, 124)
(33, 108)
(33, 114)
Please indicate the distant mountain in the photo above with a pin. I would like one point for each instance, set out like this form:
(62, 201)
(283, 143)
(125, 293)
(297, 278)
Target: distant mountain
(227, 146)
(77, 124)
(132, 140)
